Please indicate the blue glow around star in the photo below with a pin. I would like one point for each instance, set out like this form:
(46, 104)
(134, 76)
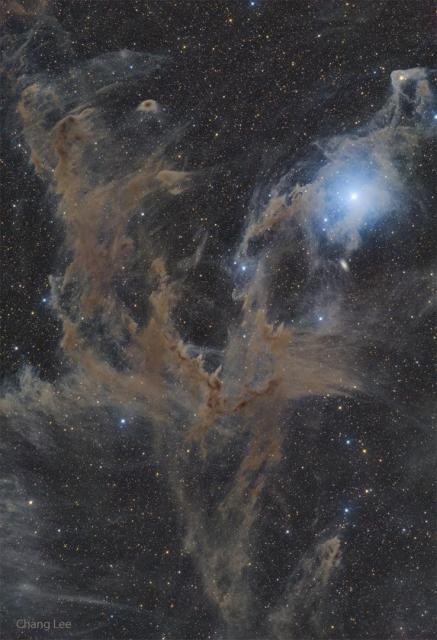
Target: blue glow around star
(351, 203)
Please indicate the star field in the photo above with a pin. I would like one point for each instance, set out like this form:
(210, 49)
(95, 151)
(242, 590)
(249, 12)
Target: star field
(218, 319)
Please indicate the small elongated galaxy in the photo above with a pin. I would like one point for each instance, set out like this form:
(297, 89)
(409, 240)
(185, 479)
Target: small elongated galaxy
(218, 328)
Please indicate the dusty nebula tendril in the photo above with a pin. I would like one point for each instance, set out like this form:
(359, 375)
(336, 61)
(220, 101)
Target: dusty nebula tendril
(219, 307)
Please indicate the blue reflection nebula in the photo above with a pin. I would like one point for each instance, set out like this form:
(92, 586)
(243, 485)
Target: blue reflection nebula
(348, 204)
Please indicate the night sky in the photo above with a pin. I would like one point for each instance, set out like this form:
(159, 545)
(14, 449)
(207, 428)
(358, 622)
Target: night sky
(218, 332)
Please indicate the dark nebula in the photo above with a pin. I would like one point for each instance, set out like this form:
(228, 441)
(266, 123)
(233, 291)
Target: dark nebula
(218, 319)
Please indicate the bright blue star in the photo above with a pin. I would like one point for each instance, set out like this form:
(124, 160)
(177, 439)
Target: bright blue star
(351, 202)
(346, 509)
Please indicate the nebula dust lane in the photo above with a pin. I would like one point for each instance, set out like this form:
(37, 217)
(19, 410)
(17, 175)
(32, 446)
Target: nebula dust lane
(218, 333)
